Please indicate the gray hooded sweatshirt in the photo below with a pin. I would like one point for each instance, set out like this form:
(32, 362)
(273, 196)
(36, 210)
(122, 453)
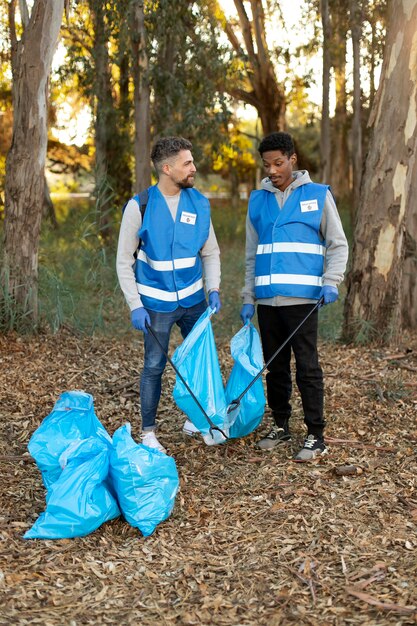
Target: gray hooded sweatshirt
(331, 231)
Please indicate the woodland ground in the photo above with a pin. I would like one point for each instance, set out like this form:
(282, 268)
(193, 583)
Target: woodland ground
(254, 538)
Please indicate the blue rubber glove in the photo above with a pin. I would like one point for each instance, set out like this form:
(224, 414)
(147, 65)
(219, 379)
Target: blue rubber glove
(247, 312)
(329, 293)
(139, 318)
(214, 301)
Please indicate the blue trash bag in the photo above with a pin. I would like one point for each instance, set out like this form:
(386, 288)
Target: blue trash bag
(145, 479)
(72, 419)
(197, 361)
(79, 501)
(246, 351)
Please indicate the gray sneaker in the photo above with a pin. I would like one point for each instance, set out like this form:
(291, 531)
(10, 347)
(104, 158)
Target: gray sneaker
(312, 449)
(276, 437)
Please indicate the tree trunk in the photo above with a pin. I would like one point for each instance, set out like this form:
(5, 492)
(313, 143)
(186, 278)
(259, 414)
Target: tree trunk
(372, 67)
(104, 114)
(48, 206)
(25, 166)
(386, 227)
(261, 87)
(141, 98)
(339, 177)
(325, 112)
(356, 27)
(409, 285)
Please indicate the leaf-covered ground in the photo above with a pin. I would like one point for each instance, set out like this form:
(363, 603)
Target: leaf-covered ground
(254, 538)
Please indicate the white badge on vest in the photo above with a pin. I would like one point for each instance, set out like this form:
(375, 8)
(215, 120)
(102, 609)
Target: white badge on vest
(309, 205)
(188, 218)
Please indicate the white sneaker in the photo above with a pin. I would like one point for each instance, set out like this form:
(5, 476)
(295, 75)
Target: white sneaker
(189, 428)
(149, 439)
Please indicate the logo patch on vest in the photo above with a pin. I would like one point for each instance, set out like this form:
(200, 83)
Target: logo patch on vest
(309, 205)
(188, 218)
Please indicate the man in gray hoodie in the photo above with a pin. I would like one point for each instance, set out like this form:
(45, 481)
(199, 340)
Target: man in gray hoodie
(296, 254)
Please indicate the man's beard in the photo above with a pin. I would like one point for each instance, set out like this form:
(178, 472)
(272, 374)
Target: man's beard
(185, 183)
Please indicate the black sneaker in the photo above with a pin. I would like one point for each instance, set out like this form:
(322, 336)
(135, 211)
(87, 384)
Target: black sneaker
(312, 449)
(276, 437)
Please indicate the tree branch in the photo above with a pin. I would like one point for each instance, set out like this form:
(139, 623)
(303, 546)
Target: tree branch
(246, 96)
(72, 34)
(259, 28)
(24, 12)
(233, 39)
(12, 23)
(246, 32)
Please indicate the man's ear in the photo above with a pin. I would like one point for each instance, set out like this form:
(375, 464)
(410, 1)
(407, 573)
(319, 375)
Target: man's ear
(293, 159)
(165, 169)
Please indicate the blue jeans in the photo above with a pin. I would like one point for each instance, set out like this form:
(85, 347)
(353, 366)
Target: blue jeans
(155, 361)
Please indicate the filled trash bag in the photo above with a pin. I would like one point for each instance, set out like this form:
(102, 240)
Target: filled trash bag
(246, 351)
(72, 419)
(146, 481)
(197, 361)
(79, 501)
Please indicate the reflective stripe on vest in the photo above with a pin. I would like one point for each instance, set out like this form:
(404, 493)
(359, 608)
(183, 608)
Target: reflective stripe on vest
(170, 296)
(306, 248)
(169, 267)
(290, 255)
(288, 279)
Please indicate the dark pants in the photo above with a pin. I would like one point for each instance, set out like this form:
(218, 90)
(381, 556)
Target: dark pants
(155, 361)
(276, 324)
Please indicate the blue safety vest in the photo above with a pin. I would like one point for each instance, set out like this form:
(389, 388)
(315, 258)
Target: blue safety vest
(290, 254)
(168, 267)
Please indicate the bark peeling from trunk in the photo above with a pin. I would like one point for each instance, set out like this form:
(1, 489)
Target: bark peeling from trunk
(382, 290)
(25, 166)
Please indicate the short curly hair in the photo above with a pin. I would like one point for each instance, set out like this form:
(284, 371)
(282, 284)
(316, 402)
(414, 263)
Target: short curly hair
(277, 141)
(167, 147)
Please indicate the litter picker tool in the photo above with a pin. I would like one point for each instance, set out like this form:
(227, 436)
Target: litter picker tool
(235, 403)
(178, 373)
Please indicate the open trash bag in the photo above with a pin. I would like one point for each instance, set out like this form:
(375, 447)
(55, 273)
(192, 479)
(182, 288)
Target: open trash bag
(246, 351)
(79, 501)
(197, 361)
(72, 419)
(145, 479)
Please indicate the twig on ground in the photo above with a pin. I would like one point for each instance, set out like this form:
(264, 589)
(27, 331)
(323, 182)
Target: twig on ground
(358, 444)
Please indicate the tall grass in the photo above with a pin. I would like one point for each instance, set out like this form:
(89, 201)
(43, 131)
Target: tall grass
(77, 278)
(13, 316)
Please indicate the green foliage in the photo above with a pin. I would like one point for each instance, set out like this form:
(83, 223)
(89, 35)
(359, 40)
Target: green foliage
(237, 155)
(77, 277)
(362, 332)
(331, 319)
(14, 317)
(229, 227)
(186, 65)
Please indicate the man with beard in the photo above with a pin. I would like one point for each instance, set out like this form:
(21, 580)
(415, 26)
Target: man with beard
(162, 259)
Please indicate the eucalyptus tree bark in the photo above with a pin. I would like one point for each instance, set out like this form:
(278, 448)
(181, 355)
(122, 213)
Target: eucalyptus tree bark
(382, 293)
(25, 166)
(339, 170)
(104, 117)
(409, 277)
(325, 145)
(141, 97)
(356, 30)
(260, 88)
(372, 66)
